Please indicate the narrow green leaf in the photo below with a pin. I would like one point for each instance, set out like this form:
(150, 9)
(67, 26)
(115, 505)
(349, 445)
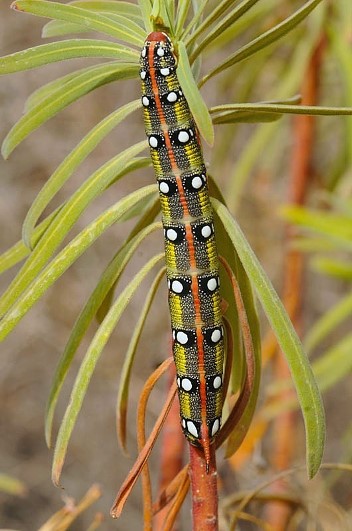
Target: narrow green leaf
(110, 6)
(227, 21)
(267, 38)
(196, 103)
(214, 15)
(122, 397)
(146, 219)
(335, 364)
(64, 221)
(107, 280)
(12, 486)
(19, 251)
(182, 12)
(160, 16)
(333, 268)
(58, 28)
(56, 85)
(146, 7)
(328, 322)
(245, 117)
(283, 109)
(69, 165)
(343, 56)
(88, 365)
(68, 256)
(256, 146)
(122, 29)
(302, 375)
(198, 9)
(63, 50)
(55, 28)
(58, 100)
(336, 227)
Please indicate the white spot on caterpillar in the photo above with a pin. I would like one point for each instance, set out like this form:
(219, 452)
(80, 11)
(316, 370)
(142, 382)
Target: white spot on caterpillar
(144, 52)
(182, 338)
(177, 286)
(145, 101)
(143, 74)
(171, 97)
(197, 182)
(217, 382)
(153, 142)
(183, 137)
(164, 71)
(206, 231)
(186, 384)
(215, 428)
(191, 427)
(171, 235)
(216, 335)
(164, 187)
(212, 284)
(160, 51)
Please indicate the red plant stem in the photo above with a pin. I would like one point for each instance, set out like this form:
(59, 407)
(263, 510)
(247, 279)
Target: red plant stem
(284, 429)
(204, 490)
(171, 459)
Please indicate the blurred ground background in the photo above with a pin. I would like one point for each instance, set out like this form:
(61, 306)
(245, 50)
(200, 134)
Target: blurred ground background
(29, 356)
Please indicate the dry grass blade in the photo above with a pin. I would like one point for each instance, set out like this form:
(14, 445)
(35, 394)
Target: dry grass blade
(62, 519)
(177, 502)
(144, 454)
(242, 401)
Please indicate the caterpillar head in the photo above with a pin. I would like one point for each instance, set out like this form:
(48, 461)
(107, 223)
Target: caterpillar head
(158, 51)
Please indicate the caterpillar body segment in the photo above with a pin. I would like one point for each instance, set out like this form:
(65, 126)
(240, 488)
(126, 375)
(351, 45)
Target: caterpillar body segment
(190, 247)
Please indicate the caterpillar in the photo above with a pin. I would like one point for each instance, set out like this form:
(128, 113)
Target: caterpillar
(190, 248)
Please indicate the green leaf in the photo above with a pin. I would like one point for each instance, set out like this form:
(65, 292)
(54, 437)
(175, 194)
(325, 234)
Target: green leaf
(107, 280)
(328, 322)
(262, 138)
(69, 165)
(122, 398)
(58, 84)
(12, 486)
(302, 375)
(214, 15)
(64, 221)
(333, 268)
(283, 109)
(182, 12)
(68, 256)
(58, 28)
(110, 6)
(336, 227)
(58, 100)
(198, 9)
(122, 29)
(19, 251)
(267, 38)
(195, 101)
(227, 21)
(88, 365)
(146, 7)
(55, 28)
(62, 50)
(152, 209)
(335, 364)
(245, 117)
